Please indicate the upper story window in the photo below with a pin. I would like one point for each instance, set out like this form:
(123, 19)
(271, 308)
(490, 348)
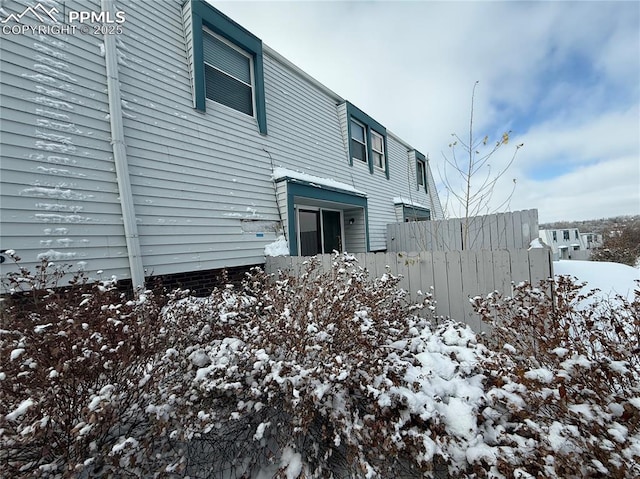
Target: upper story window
(358, 141)
(367, 139)
(228, 73)
(555, 235)
(225, 61)
(420, 172)
(576, 234)
(377, 148)
(565, 234)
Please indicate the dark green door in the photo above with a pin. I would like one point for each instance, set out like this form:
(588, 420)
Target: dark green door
(331, 231)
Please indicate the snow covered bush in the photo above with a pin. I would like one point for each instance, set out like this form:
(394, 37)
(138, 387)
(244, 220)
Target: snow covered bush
(74, 377)
(320, 375)
(563, 397)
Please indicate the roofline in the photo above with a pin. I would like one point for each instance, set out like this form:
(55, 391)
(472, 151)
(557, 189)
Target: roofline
(302, 73)
(291, 66)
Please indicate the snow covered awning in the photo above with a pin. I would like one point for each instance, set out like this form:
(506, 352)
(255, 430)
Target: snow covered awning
(399, 200)
(284, 174)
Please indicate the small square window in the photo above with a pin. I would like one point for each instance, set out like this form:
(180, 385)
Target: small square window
(377, 148)
(358, 141)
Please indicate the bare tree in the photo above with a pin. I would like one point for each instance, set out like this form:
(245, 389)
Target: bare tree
(473, 169)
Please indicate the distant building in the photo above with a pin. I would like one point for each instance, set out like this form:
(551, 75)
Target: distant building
(567, 243)
(592, 240)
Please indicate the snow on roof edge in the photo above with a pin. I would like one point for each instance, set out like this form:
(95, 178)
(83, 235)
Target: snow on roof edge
(280, 173)
(400, 200)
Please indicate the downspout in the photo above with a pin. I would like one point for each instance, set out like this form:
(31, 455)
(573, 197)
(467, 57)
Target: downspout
(120, 154)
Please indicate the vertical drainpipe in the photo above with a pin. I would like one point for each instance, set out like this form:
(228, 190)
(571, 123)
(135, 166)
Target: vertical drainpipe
(120, 155)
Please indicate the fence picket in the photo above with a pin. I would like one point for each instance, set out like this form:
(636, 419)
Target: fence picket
(454, 285)
(470, 282)
(519, 265)
(440, 288)
(401, 267)
(427, 281)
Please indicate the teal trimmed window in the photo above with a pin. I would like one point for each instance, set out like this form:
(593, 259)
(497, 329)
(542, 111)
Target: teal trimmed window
(414, 213)
(367, 140)
(227, 64)
(228, 74)
(421, 171)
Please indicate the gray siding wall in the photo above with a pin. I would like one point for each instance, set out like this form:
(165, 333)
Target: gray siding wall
(59, 195)
(355, 235)
(197, 178)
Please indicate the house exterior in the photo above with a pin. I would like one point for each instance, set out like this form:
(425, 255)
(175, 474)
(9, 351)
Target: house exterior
(567, 243)
(592, 240)
(138, 151)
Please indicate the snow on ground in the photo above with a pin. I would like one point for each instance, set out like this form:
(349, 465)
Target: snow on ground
(609, 278)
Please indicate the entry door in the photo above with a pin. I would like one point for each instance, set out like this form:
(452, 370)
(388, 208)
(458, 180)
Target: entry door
(331, 231)
(320, 231)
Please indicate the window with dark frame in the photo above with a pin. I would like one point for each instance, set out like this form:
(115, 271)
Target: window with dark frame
(228, 74)
(420, 172)
(225, 62)
(565, 235)
(367, 140)
(377, 149)
(358, 141)
(412, 213)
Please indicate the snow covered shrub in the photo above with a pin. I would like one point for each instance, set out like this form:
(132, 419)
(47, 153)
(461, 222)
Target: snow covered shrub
(74, 377)
(563, 397)
(321, 375)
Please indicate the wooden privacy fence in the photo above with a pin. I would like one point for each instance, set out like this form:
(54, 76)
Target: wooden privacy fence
(491, 232)
(455, 276)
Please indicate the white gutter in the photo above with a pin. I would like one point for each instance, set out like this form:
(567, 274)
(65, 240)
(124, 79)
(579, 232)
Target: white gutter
(120, 154)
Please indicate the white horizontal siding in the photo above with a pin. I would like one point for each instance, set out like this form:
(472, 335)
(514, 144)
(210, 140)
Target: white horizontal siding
(195, 175)
(59, 192)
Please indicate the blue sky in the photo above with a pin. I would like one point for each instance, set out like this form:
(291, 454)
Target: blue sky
(564, 77)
